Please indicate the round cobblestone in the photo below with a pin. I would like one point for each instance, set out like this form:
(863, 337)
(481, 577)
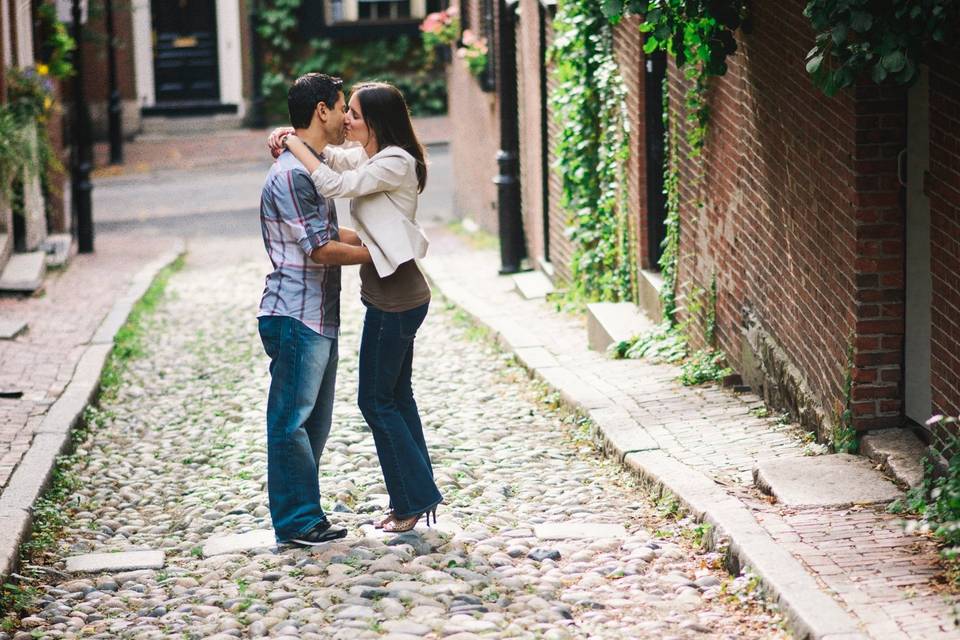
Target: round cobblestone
(177, 456)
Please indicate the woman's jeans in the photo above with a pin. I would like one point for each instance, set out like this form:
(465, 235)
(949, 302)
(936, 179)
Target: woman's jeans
(303, 373)
(386, 401)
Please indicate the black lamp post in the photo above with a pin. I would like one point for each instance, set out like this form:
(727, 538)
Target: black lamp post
(509, 219)
(258, 115)
(115, 109)
(80, 184)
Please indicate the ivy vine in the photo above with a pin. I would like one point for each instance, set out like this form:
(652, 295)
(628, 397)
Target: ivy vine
(699, 36)
(592, 151)
(885, 39)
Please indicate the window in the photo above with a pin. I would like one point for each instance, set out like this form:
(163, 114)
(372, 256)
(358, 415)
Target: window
(341, 11)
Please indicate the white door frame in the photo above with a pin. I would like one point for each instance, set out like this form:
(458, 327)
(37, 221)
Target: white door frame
(229, 53)
(918, 289)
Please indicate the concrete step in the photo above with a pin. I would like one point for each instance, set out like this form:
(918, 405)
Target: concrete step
(155, 127)
(611, 322)
(532, 285)
(836, 480)
(898, 451)
(24, 272)
(10, 328)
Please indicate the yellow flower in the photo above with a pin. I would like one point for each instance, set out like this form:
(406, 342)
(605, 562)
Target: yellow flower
(43, 69)
(47, 103)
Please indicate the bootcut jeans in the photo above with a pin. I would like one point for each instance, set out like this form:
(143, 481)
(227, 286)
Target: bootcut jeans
(386, 401)
(303, 374)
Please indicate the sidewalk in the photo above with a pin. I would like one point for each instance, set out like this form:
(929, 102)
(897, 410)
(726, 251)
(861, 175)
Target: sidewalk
(237, 146)
(838, 573)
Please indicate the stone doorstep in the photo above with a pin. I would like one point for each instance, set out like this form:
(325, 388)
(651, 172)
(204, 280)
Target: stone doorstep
(612, 322)
(532, 285)
(10, 328)
(837, 480)
(24, 272)
(122, 561)
(899, 451)
(239, 543)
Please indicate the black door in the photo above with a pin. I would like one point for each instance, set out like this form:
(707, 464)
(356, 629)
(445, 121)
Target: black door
(185, 51)
(656, 66)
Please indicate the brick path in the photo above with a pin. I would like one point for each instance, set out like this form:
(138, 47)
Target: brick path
(62, 320)
(891, 581)
(237, 146)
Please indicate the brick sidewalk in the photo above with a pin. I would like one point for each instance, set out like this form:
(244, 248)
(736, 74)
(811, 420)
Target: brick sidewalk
(151, 153)
(889, 580)
(62, 321)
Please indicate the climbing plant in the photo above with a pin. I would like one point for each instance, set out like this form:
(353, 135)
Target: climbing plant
(885, 39)
(589, 105)
(699, 36)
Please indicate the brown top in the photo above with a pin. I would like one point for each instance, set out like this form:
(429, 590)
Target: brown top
(402, 290)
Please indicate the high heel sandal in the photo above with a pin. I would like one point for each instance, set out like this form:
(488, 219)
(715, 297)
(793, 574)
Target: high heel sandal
(402, 525)
(387, 518)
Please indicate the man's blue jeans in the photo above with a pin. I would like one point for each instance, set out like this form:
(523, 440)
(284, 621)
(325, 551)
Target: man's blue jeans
(303, 374)
(386, 401)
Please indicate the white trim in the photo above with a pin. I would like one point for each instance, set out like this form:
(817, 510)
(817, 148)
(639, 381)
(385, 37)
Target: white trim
(24, 26)
(143, 53)
(6, 54)
(229, 54)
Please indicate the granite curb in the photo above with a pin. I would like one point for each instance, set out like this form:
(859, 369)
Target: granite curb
(810, 613)
(35, 470)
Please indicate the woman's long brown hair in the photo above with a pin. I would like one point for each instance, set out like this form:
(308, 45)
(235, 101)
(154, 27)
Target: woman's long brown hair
(385, 112)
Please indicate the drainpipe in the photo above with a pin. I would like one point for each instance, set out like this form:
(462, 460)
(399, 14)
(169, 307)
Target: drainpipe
(81, 144)
(258, 114)
(512, 249)
(115, 107)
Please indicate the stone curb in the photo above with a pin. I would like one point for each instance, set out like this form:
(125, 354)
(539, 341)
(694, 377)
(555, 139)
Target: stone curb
(810, 613)
(32, 476)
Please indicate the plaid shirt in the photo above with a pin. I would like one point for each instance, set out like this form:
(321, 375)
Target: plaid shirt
(295, 221)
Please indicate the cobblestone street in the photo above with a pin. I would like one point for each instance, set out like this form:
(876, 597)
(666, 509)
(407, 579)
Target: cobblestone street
(177, 458)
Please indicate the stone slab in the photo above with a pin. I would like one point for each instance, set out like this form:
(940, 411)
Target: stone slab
(612, 322)
(826, 481)
(810, 612)
(532, 285)
(59, 248)
(239, 543)
(579, 531)
(899, 451)
(10, 328)
(24, 272)
(122, 561)
(620, 432)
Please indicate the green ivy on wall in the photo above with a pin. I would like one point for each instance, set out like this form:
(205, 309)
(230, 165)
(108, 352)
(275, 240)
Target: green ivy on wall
(885, 39)
(589, 105)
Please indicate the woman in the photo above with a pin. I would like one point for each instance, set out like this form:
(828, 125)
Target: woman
(384, 177)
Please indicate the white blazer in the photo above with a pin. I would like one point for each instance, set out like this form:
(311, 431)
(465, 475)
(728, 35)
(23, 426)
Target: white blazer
(384, 196)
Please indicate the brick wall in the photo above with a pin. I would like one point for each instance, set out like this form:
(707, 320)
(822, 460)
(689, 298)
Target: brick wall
(475, 138)
(561, 249)
(531, 140)
(796, 216)
(628, 47)
(943, 187)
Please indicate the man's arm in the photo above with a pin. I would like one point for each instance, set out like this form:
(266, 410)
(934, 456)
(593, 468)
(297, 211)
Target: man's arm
(349, 236)
(335, 252)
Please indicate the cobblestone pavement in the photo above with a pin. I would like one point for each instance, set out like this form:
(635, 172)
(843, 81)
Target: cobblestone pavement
(889, 579)
(61, 321)
(178, 457)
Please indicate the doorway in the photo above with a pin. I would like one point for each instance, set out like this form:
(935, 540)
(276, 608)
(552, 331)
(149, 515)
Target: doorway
(915, 162)
(655, 155)
(186, 68)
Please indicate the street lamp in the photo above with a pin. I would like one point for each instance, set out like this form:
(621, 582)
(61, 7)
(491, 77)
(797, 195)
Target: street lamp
(115, 109)
(258, 116)
(80, 184)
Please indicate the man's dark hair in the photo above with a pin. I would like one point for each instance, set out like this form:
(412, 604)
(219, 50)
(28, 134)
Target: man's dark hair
(307, 92)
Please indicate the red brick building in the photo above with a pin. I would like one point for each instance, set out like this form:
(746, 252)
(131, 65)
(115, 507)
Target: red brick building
(830, 225)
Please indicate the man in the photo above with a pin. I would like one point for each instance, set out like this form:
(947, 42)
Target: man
(299, 317)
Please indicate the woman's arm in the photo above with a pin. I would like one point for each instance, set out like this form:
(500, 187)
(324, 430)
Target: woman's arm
(384, 173)
(343, 158)
(303, 153)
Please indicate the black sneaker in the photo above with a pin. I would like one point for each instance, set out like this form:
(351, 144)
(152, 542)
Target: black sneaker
(323, 532)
